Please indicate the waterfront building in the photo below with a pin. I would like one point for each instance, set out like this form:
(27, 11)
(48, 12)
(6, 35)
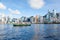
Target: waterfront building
(14, 20)
(18, 21)
(4, 20)
(58, 17)
(28, 20)
(45, 19)
(0, 21)
(36, 19)
(54, 15)
(8, 19)
(50, 17)
(23, 19)
(32, 19)
(40, 19)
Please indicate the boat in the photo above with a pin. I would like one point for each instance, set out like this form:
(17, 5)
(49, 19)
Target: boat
(21, 24)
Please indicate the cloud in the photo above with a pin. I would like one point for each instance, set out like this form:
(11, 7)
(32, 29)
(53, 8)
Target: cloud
(2, 6)
(2, 15)
(14, 11)
(36, 4)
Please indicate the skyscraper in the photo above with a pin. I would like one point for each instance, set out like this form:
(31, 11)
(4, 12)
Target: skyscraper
(36, 19)
(32, 19)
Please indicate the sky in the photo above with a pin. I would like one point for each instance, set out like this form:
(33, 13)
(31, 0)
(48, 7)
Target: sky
(18, 8)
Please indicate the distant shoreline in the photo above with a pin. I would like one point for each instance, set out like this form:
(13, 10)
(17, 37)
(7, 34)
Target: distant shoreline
(45, 23)
(32, 23)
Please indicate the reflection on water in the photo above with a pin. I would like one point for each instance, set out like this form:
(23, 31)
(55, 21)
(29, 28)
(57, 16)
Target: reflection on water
(36, 30)
(33, 32)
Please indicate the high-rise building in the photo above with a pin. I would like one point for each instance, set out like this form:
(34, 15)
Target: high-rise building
(23, 19)
(51, 16)
(36, 19)
(14, 20)
(4, 20)
(7, 19)
(40, 19)
(54, 13)
(28, 20)
(58, 17)
(32, 19)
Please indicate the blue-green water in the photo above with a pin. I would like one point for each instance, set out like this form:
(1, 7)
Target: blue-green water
(33, 32)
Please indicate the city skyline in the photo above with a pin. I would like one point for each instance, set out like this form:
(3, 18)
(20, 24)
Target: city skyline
(18, 8)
